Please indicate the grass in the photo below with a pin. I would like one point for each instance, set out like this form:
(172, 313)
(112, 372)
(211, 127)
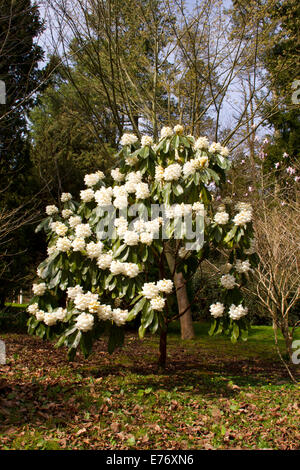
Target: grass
(213, 395)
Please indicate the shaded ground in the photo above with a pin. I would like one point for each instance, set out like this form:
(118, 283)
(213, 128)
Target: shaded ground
(212, 395)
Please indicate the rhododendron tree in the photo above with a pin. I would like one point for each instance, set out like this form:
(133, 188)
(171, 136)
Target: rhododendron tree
(116, 256)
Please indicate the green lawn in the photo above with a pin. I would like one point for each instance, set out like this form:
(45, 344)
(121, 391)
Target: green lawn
(213, 394)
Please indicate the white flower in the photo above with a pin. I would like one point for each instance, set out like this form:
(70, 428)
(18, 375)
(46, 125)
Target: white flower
(146, 141)
(63, 244)
(158, 303)
(51, 210)
(166, 132)
(130, 187)
(134, 177)
(84, 322)
(190, 167)
(217, 309)
(33, 308)
(159, 173)
(92, 179)
(128, 139)
(146, 238)
(150, 290)
(117, 267)
(119, 316)
(122, 225)
(221, 218)
(142, 191)
(49, 318)
(224, 152)
(215, 147)
(242, 266)
(87, 195)
(83, 230)
(172, 172)
(39, 289)
(104, 312)
(66, 213)
(74, 220)
(82, 301)
(178, 129)
(94, 306)
(131, 270)
(61, 229)
(237, 312)
(78, 244)
(131, 238)
(103, 196)
(60, 313)
(72, 292)
(40, 315)
(243, 217)
(139, 225)
(121, 202)
(228, 281)
(117, 175)
(120, 191)
(65, 197)
(165, 285)
(94, 249)
(201, 143)
(153, 225)
(104, 261)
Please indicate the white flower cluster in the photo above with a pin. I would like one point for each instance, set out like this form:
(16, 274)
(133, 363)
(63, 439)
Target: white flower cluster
(217, 309)
(152, 291)
(83, 231)
(172, 172)
(126, 269)
(104, 260)
(78, 244)
(228, 281)
(66, 213)
(201, 143)
(166, 132)
(193, 165)
(84, 322)
(87, 195)
(74, 220)
(178, 129)
(245, 214)
(39, 289)
(117, 175)
(63, 244)
(103, 196)
(146, 141)
(242, 266)
(51, 210)
(93, 178)
(94, 249)
(65, 197)
(221, 218)
(128, 139)
(237, 311)
(59, 228)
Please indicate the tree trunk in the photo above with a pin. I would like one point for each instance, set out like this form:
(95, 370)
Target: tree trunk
(163, 348)
(186, 322)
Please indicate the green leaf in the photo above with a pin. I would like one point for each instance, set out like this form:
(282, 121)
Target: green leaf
(235, 333)
(213, 327)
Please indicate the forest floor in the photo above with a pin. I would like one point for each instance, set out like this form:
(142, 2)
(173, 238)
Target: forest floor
(212, 395)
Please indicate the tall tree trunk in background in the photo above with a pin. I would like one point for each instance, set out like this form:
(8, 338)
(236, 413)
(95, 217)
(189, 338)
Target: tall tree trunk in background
(186, 322)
